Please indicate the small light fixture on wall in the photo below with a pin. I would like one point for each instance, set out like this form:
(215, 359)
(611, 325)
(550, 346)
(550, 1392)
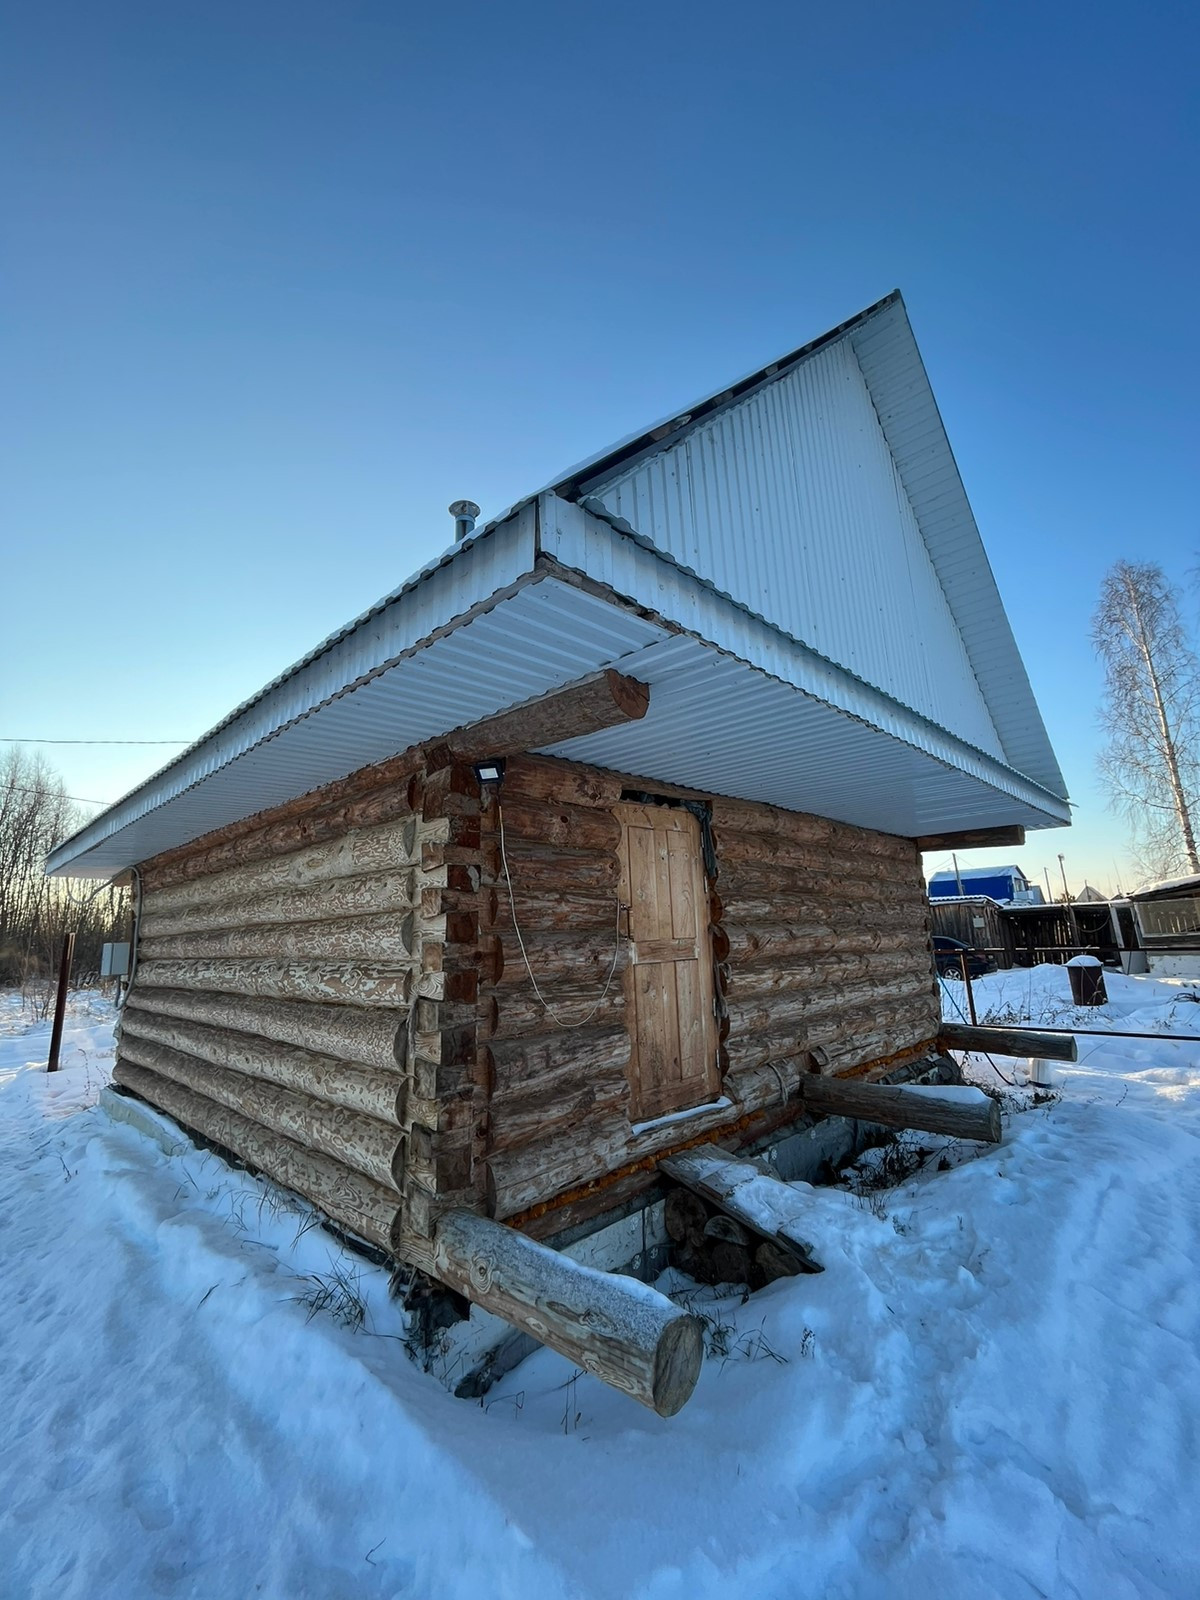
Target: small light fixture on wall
(490, 771)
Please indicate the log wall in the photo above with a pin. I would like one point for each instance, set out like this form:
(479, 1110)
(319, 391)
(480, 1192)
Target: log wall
(291, 991)
(337, 993)
(820, 943)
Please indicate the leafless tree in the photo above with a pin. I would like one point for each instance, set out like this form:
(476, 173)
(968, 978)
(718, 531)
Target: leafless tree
(35, 911)
(1151, 766)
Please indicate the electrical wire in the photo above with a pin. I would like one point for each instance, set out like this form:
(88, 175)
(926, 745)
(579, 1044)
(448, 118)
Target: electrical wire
(52, 794)
(962, 1018)
(512, 901)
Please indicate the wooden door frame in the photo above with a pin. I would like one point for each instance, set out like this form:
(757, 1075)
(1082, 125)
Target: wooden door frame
(708, 1084)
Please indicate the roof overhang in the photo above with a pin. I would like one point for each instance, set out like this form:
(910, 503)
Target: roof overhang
(548, 596)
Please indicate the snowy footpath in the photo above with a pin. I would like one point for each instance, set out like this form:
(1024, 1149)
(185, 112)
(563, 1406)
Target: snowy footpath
(993, 1389)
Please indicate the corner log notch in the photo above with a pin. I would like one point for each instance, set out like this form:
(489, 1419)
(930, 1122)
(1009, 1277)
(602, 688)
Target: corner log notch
(604, 701)
(624, 1332)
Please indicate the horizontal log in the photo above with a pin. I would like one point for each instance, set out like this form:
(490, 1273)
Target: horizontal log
(531, 1174)
(514, 1065)
(384, 937)
(539, 1113)
(577, 959)
(607, 700)
(388, 848)
(751, 816)
(847, 1037)
(336, 897)
(764, 879)
(848, 865)
(782, 1213)
(972, 839)
(345, 1032)
(373, 1148)
(958, 1117)
(839, 994)
(561, 824)
(624, 1332)
(368, 1209)
(1010, 1041)
(376, 1094)
(779, 947)
(830, 971)
(366, 798)
(330, 983)
(539, 867)
(544, 778)
(515, 1012)
(550, 910)
(894, 1044)
(738, 906)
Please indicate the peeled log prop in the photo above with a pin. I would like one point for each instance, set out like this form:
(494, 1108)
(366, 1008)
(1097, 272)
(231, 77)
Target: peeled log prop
(736, 1186)
(906, 1106)
(1009, 1041)
(622, 1331)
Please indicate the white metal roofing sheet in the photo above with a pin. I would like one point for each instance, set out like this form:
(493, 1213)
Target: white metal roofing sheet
(473, 633)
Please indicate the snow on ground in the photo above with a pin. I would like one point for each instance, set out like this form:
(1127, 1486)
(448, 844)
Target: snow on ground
(991, 1391)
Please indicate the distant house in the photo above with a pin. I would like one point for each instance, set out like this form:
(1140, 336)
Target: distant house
(1005, 885)
(597, 840)
(1168, 923)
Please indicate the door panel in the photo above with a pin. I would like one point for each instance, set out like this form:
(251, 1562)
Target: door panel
(669, 982)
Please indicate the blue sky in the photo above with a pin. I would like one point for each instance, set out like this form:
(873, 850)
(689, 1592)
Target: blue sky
(284, 280)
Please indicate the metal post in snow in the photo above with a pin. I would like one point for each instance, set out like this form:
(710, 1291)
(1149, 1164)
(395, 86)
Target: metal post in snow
(60, 1000)
(966, 972)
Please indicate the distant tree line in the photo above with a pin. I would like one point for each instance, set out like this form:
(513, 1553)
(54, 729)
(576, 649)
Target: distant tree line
(1151, 762)
(36, 911)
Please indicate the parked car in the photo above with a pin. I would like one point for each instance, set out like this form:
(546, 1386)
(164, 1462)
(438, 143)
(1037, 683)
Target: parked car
(946, 953)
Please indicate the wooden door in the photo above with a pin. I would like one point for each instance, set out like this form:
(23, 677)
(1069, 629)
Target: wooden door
(669, 981)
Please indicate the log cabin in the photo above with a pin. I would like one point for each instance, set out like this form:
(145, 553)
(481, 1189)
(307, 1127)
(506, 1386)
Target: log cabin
(591, 846)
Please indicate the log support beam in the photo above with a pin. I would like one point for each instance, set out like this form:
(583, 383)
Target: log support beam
(973, 839)
(906, 1106)
(1009, 1041)
(621, 1330)
(604, 701)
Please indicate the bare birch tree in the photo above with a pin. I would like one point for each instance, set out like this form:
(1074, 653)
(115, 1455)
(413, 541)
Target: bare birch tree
(35, 911)
(1151, 767)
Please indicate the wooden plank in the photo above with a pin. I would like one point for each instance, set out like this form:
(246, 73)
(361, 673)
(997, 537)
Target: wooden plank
(972, 839)
(902, 1106)
(624, 1332)
(1009, 1041)
(605, 701)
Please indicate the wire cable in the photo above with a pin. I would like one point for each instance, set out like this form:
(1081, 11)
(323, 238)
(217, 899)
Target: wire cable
(512, 901)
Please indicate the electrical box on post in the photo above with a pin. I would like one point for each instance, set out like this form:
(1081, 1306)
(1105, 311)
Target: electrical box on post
(114, 960)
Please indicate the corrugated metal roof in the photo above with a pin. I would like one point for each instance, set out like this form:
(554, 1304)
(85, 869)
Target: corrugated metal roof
(790, 503)
(476, 631)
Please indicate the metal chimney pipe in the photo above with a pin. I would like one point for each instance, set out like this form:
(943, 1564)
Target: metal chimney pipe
(464, 513)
